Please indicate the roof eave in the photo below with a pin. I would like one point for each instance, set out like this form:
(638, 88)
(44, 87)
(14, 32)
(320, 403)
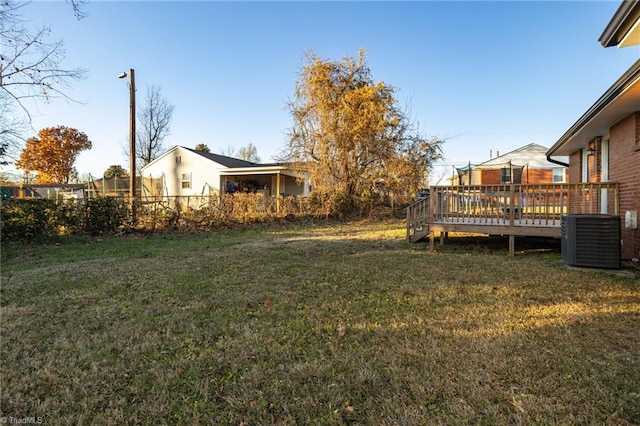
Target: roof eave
(626, 81)
(621, 23)
(254, 170)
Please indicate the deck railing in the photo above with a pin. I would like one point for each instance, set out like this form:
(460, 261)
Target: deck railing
(418, 219)
(510, 205)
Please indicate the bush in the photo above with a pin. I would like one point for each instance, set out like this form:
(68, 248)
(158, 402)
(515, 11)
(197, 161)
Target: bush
(35, 219)
(32, 219)
(69, 218)
(27, 219)
(105, 215)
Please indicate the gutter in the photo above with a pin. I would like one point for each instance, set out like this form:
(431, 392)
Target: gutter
(621, 23)
(620, 86)
(560, 163)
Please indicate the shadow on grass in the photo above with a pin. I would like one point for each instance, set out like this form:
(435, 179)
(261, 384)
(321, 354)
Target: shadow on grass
(493, 244)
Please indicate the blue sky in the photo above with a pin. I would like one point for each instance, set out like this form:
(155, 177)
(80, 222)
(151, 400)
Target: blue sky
(488, 76)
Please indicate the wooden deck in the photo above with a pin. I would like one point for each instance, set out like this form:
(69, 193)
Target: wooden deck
(513, 210)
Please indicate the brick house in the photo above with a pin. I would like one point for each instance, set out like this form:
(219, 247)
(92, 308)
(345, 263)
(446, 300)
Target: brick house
(525, 165)
(604, 144)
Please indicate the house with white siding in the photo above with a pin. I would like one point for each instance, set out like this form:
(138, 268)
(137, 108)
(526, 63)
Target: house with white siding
(184, 172)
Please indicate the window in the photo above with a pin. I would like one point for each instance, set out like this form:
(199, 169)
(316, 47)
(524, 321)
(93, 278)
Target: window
(178, 159)
(558, 175)
(186, 181)
(506, 175)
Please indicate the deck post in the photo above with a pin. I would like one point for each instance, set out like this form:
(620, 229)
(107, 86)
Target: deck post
(433, 205)
(409, 224)
(512, 218)
(433, 198)
(278, 193)
(512, 205)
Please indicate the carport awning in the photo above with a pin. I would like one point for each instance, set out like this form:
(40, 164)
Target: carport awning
(259, 170)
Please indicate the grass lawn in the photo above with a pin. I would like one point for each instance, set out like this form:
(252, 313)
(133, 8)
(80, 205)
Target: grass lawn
(313, 324)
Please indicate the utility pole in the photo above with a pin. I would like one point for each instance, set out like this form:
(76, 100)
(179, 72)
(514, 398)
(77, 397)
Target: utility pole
(132, 140)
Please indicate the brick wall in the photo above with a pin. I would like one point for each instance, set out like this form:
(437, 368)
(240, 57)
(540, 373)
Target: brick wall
(532, 176)
(491, 176)
(537, 176)
(594, 162)
(575, 167)
(624, 168)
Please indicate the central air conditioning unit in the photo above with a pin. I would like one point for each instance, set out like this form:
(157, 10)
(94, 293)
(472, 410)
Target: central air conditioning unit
(591, 240)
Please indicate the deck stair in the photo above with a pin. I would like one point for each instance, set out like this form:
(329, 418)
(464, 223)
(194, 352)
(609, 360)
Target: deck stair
(418, 220)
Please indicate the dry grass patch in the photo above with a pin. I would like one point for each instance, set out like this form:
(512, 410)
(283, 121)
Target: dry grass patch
(324, 324)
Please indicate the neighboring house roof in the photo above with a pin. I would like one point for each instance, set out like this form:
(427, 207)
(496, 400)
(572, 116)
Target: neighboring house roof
(533, 155)
(235, 166)
(622, 99)
(624, 28)
(223, 160)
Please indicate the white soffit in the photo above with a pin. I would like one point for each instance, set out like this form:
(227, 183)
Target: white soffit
(632, 37)
(599, 125)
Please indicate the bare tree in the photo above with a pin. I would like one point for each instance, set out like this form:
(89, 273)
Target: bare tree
(30, 64)
(228, 151)
(30, 68)
(78, 8)
(12, 127)
(249, 153)
(153, 126)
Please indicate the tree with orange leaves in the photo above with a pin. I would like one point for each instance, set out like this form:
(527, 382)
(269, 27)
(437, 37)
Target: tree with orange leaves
(52, 153)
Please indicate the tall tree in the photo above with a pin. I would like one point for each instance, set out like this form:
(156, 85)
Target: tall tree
(52, 154)
(249, 153)
(153, 126)
(202, 147)
(350, 135)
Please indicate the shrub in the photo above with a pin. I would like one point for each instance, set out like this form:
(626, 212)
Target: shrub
(30, 219)
(70, 218)
(33, 219)
(105, 215)
(27, 219)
